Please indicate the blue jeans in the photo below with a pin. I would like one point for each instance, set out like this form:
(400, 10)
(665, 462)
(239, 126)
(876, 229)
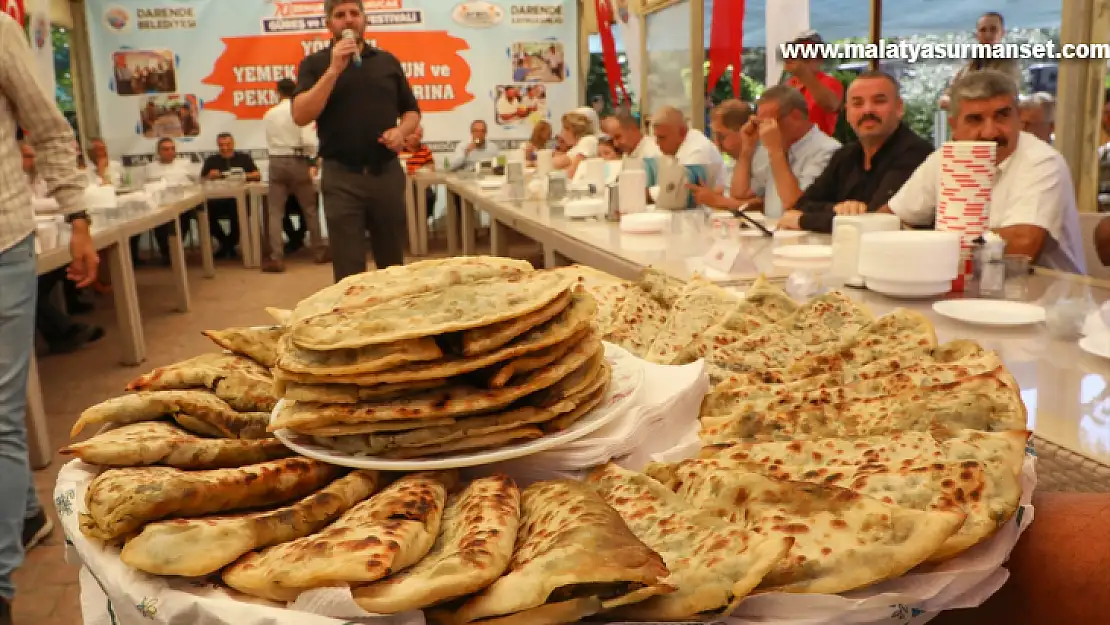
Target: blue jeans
(18, 289)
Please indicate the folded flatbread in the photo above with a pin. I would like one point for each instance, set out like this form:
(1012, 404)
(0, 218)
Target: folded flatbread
(488, 338)
(120, 501)
(207, 414)
(241, 382)
(574, 320)
(161, 443)
(452, 308)
(356, 361)
(475, 543)
(383, 285)
(195, 547)
(259, 344)
(714, 564)
(660, 286)
(570, 546)
(637, 321)
(608, 290)
(381, 536)
(700, 305)
(842, 540)
(449, 401)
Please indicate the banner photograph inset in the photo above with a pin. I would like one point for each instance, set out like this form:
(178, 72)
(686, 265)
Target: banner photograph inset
(144, 71)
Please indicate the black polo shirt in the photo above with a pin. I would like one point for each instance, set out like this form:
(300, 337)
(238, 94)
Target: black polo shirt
(218, 163)
(845, 178)
(365, 102)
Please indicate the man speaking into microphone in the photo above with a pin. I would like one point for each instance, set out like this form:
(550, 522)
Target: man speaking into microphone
(356, 94)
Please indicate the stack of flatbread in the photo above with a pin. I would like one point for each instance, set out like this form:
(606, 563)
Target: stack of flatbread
(440, 357)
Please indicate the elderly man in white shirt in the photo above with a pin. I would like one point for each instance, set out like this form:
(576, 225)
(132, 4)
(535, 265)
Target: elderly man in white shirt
(1038, 115)
(633, 143)
(676, 139)
(476, 150)
(1033, 201)
(290, 147)
(166, 166)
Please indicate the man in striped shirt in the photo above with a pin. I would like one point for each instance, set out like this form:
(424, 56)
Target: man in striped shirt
(416, 155)
(25, 104)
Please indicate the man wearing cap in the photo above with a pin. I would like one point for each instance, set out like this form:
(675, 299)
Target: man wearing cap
(823, 93)
(356, 94)
(1032, 202)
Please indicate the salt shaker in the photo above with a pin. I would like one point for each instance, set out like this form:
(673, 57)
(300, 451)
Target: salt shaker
(992, 280)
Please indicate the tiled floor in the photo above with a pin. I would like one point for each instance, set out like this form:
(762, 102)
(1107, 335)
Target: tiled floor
(48, 592)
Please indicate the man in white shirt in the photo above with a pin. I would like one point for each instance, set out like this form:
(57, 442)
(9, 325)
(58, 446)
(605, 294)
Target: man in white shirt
(166, 166)
(102, 168)
(477, 150)
(1038, 115)
(1033, 202)
(676, 139)
(781, 150)
(633, 143)
(291, 148)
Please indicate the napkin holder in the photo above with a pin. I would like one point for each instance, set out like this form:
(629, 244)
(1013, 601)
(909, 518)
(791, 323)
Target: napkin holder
(514, 180)
(633, 190)
(671, 180)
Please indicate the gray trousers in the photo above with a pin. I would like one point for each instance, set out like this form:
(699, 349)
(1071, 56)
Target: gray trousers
(357, 203)
(289, 174)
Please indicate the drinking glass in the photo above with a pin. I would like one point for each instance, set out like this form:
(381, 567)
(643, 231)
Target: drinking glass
(1017, 276)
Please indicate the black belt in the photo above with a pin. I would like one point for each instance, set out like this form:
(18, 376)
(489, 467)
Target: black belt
(372, 169)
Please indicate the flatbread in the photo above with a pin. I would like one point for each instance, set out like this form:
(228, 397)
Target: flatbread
(450, 309)
(120, 501)
(241, 382)
(544, 406)
(570, 546)
(700, 305)
(488, 338)
(505, 372)
(322, 393)
(766, 301)
(381, 426)
(214, 416)
(713, 564)
(608, 290)
(259, 344)
(474, 546)
(452, 401)
(160, 443)
(382, 285)
(196, 547)
(492, 440)
(989, 402)
(573, 320)
(280, 315)
(591, 401)
(827, 318)
(842, 540)
(660, 286)
(362, 360)
(381, 536)
(637, 320)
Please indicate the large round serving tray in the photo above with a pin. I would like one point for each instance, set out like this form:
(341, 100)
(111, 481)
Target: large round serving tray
(628, 377)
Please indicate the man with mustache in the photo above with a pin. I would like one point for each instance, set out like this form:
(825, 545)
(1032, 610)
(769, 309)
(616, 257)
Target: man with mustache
(1033, 201)
(862, 177)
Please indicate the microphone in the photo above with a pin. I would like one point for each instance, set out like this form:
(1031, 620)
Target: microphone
(357, 58)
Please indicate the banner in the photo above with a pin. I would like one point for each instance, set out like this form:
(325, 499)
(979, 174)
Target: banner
(786, 19)
(42, 44)
(192, 69)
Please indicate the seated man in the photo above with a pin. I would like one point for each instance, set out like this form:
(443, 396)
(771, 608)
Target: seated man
(214, 168)
(1033, 201)
(862, 177)
(778, 153)
(1038, 115)
(175, 171)
(689, 146)
(417, 156)
(630, 140)
(478, 149)
(61, 333)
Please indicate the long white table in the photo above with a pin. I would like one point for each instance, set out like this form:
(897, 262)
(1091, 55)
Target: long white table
(1066, 390)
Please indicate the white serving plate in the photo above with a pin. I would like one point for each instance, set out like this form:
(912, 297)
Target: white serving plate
(804, 252)
(909, 290)
(990, 312)
(645, 223)
(1096, 345)
(628, 378)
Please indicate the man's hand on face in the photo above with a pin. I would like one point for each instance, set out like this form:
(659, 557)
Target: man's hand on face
(749, 137)
(770, 135)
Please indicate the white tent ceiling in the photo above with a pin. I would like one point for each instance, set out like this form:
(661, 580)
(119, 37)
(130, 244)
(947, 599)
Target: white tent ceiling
(838, 19)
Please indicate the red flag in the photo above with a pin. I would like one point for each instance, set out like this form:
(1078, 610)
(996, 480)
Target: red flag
(15, 9)
(609, 51)
(726, 42)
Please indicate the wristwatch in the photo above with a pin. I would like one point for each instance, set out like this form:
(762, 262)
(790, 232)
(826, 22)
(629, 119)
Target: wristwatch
(78, 215)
